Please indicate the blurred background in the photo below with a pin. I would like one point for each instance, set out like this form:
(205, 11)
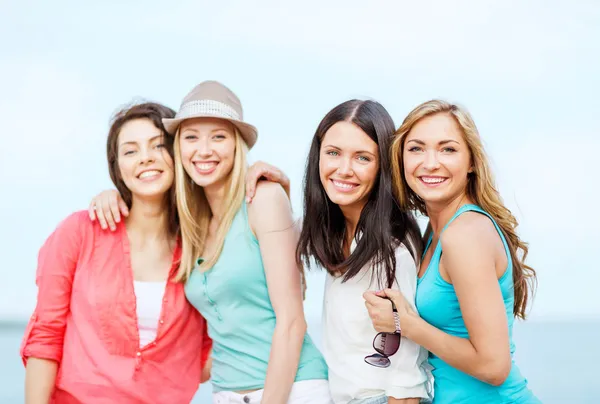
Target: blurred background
(527, 71)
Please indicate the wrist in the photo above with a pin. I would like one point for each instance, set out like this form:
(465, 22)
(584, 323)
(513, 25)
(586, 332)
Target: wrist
(410, 323)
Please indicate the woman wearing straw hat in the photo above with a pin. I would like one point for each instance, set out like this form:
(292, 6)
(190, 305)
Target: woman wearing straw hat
(238, 261)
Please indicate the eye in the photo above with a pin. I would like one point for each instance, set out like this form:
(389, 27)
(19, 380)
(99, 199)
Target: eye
(364, 159)
(128, 152)
(448, 149)
(190, 137)
(332, 153)
(219, 136)
(415, 149)
(160, 145)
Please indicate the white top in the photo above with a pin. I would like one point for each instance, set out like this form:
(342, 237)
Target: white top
(348, 337)
(149, 298)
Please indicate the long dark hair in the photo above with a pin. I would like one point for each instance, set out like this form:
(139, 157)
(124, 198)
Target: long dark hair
(382, 225)
(155, 113)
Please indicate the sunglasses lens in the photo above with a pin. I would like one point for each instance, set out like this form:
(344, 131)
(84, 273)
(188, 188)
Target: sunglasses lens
(386, 344)
(378, 360)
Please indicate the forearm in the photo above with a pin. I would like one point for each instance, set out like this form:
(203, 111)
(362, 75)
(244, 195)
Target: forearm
(40, 377)
(392, 400)
(205, 376)
(456, 351)
(283, 361)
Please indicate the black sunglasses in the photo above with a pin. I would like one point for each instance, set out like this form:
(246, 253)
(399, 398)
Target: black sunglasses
(385, 344)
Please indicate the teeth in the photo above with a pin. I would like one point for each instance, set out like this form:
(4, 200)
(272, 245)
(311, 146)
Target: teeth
(205, 166)
(150, 173)
(432, 180)
(342, 185)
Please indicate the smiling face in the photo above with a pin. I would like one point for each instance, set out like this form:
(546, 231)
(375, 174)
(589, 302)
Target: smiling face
(207, 150)
(144, 164)
(348, 165)
(437, 160)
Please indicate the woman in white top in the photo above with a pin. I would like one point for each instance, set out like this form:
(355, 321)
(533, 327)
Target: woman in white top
(354, 229)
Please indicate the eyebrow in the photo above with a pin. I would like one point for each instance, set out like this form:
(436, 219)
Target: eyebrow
(441, 142)
(356, 152)
(133, 143)
(220, 128)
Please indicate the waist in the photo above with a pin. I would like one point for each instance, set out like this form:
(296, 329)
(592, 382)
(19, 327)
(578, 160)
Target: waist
(454, 386)
(146, 385)
(242, 366)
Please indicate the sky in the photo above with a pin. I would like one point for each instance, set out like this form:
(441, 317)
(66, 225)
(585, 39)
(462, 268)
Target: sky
(527, 71)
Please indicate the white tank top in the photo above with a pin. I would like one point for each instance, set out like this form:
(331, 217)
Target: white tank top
(149, 297)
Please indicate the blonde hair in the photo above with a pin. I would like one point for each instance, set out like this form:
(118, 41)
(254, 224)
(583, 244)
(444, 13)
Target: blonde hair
(195, 213)
(480, 188)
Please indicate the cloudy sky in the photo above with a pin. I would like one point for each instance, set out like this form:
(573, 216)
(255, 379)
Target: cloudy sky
(527, 72)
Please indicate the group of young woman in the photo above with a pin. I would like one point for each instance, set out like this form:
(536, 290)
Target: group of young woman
(202, 274)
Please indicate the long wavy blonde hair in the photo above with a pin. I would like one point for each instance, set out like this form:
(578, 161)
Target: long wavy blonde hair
(480, 188)
(195, 213)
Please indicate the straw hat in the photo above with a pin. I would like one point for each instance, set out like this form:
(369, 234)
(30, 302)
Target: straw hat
(211, 99)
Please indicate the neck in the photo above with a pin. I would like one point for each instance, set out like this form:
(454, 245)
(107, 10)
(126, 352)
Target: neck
(147, 220)
(440, 213)
(352, 216)
(215, 195)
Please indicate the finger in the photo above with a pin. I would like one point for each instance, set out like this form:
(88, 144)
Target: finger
(251, 180)
(92, 210)
(271, 175)
(100, 215)
(392, 293)
(108, 216)
(113, 203)
(123, 207)
(371, 298)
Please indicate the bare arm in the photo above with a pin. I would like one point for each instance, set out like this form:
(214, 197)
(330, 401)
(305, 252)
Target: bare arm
(392, 400)
(469, 258)
(272, 222)
(40, 376)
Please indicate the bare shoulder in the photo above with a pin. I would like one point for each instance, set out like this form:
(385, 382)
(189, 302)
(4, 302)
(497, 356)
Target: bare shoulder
(471, 230)
(270, 208)
(268, 195)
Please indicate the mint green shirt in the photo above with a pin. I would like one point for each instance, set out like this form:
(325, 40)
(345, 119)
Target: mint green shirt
(234, 299)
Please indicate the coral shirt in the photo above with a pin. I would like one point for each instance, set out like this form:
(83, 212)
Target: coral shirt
(85, 319)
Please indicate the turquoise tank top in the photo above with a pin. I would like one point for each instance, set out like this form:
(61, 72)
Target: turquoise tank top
(437, 304)
(233, 298)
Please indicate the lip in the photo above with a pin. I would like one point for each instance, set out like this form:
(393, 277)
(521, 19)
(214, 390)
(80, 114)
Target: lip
(434, 180)
(343, 186)
(150, 178)
(205, 171)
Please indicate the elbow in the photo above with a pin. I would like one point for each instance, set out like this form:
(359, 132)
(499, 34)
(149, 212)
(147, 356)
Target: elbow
(496, 373)
(293, 327)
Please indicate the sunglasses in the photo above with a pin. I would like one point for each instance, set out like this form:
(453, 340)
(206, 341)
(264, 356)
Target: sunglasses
(385, 344)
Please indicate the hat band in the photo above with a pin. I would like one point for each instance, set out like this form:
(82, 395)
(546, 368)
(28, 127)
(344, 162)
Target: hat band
(207, 107)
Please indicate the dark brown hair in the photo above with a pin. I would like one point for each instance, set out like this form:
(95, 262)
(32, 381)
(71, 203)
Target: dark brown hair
(155, 113)
(382, 223)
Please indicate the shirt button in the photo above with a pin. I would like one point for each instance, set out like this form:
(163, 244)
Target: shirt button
(246, 399)
(139, 354)
(161, 321)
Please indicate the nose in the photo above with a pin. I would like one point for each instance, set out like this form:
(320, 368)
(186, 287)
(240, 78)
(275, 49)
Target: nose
(146, 156)
(204, 150)
(431, 161)
(345, 167)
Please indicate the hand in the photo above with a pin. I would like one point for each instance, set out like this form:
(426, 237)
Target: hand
(260, 170)
(107, 207)
(380, 311)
